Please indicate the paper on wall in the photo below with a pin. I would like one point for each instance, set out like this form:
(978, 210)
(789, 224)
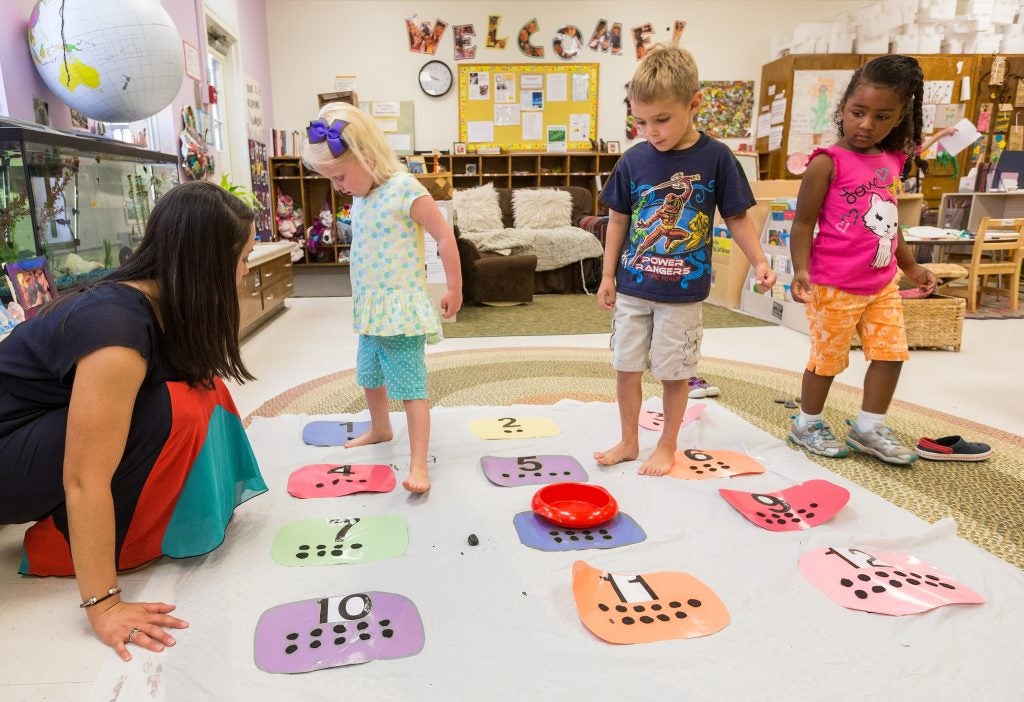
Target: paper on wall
(506, 115)
(558, 87)
(533, 126)
(580, 87)
(966, 134)
(579, 127)
(480, 132)
(775, 138)
(764, 124)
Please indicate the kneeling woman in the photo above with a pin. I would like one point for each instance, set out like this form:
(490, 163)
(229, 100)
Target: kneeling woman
(117, 435)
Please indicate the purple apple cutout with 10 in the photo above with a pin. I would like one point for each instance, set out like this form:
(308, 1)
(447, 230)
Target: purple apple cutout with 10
(308, 635)
(532, 470)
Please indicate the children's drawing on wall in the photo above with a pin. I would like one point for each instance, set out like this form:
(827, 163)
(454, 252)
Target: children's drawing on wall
(465, 49)
(493, 42)
(815, 97)
(728, 108)
(424, 36)
(643, 39)
(567, 42)
(526, 44)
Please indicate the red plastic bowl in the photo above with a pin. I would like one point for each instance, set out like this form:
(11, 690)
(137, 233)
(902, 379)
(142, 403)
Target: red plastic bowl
(575, 505)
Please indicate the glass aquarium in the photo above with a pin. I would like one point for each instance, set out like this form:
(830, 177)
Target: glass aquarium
(81, 201)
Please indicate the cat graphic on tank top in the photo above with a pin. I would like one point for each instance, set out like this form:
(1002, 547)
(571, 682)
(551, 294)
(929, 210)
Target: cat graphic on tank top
(883, 221)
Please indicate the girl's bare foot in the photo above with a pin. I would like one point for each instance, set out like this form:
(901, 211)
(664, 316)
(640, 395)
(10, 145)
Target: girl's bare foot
(618, 453)
(374, 436)
(418, 480)
(659, 462)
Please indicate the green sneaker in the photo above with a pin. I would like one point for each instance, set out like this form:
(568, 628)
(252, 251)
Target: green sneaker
(881, 443)
(818, 439)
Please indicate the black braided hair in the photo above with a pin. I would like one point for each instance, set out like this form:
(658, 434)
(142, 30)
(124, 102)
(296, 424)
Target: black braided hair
(904, 75)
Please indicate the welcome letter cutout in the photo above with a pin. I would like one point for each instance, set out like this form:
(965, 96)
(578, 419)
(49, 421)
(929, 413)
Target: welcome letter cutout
(332, 433)
(701, 464)
(329, 541)
(884, 582)
(656, 420)
(514, 428)
(629, 609)
(312, 634)
(333, 480)
(533, 470)
(536, 532)
(799, 507)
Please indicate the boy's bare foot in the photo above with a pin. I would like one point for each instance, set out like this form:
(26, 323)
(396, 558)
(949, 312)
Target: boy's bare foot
(659, 462)
(373, 436)
(418, 480)
(617, 454)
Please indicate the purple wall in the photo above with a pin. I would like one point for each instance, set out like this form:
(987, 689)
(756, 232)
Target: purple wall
(22, 82)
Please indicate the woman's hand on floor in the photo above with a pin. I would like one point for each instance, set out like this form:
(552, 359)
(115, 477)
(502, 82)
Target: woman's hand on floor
(139, 623)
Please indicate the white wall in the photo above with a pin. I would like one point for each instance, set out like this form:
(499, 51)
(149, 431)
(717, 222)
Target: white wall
(311, 41)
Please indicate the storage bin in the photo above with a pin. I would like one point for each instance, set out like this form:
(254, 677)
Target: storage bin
(935, 322)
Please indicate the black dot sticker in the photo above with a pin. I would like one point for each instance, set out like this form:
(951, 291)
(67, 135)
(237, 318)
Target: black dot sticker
(680, 615)
(364, 637)
(639, 608)
(314, 644)
(339, 628)
(316, 632)
(620, 608)
(361, 625)
(646, 620)
(291, 649)
(339, 641)
(603, 607)
(292, 636)
(628, 620)
(694, 603)
(861, 594)
(664, 617)
(387, 633)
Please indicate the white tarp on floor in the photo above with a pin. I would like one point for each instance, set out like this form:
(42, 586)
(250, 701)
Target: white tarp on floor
(500, 620)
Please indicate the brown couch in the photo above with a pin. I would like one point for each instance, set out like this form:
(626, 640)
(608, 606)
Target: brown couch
(490, 277)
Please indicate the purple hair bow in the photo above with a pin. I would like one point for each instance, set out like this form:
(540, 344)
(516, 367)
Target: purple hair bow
(318, 132)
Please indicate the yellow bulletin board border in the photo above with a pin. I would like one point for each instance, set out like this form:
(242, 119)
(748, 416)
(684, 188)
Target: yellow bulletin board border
(509, 137)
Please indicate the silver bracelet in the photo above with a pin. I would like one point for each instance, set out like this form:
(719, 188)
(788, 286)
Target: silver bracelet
(96, 600)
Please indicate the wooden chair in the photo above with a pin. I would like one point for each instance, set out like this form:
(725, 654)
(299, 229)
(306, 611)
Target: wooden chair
(999, 258)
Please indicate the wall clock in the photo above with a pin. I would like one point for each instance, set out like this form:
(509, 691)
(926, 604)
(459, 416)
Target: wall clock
(435, 78)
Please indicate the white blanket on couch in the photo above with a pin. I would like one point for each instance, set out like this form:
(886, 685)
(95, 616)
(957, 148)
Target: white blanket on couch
(553, 248)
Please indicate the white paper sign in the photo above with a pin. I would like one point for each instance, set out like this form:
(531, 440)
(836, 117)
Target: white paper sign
(966, 134)
(480, 132)
(558, 87)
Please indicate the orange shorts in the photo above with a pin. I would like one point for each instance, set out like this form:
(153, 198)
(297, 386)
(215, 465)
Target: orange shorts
(833, 315)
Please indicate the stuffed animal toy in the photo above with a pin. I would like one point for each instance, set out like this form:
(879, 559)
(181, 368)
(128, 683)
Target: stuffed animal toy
(321, 234)
(288, 225)
(343, 223)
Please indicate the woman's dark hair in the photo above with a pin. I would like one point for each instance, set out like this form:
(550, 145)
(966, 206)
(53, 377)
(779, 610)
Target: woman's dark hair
(902, 74)
(194, 238)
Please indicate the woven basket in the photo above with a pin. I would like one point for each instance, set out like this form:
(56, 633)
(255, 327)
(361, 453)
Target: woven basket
(935, 322)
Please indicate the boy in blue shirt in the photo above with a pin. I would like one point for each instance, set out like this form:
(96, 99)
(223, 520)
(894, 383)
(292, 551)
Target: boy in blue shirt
(662, 197)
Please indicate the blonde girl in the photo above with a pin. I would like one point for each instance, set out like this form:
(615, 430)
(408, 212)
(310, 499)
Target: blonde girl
(392, 312)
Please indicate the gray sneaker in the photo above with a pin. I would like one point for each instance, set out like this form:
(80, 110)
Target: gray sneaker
(880, 443)
(818, 439)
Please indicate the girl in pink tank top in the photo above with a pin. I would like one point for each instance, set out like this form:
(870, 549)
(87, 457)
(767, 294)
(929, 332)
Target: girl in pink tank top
(846, 273)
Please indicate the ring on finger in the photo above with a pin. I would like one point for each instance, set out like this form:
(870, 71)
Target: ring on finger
(131, 634)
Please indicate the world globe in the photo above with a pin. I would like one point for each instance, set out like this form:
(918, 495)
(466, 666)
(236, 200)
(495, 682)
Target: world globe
(112, 60)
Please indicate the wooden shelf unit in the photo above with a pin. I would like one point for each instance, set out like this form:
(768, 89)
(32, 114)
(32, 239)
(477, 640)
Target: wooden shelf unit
(966, 210)
(308, 190)
(531, 169)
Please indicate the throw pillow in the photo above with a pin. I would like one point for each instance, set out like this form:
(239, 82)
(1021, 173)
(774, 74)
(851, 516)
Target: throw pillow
(542, 208)
(477, 209)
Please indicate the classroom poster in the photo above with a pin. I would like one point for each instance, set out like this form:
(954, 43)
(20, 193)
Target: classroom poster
(728, 108)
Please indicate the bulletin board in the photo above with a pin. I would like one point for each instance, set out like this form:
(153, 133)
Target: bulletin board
(499, 106)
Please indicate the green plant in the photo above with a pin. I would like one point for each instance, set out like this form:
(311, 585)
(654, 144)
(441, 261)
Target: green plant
(241, 192)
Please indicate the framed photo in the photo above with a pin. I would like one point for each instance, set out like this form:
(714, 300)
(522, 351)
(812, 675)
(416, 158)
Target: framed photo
(30, 283)
(613, 147)
(193, 67)
(459, 148)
